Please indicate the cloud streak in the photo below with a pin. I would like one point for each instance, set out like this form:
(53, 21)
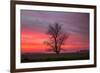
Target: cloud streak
(34, 25)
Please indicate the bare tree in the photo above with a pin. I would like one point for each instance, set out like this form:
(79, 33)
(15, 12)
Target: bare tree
(57, 37)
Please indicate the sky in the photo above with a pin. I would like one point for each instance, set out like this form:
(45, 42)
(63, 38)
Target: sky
(34, 25)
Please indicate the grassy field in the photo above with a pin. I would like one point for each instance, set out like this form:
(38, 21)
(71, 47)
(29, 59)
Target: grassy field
(41, 57)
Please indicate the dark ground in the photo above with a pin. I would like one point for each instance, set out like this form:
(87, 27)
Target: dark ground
(42, 57)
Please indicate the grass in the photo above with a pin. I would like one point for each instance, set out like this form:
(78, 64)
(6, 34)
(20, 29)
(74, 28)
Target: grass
(40, 57)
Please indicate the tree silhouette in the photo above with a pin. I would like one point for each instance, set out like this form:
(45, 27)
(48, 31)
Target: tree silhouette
(57, 38)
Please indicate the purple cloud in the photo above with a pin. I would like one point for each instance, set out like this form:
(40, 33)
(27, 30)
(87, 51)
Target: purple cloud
(73, 22)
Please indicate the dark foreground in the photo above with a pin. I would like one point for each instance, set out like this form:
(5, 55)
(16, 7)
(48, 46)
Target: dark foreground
(41, 57)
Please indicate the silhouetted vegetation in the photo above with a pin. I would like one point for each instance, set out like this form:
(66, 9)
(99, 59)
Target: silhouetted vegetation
(57, 37)
(42, 57)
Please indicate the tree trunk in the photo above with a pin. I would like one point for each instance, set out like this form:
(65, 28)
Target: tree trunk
(57, 52)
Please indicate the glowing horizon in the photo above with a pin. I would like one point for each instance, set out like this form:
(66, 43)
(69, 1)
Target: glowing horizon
(34, 42)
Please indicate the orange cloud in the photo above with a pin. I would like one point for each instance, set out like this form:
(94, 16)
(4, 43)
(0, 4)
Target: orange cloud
(33, 42)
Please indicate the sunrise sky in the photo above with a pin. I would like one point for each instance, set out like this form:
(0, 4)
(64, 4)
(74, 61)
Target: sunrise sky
(34, 25)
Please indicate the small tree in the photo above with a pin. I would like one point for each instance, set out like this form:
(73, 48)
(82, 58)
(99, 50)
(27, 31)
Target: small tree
(57, 37)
